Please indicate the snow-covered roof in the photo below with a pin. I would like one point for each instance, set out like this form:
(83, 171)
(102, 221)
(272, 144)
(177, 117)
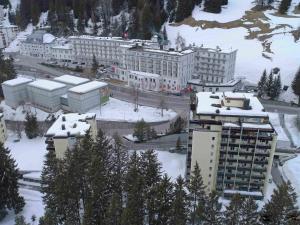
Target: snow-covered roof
(46, 85)
(167, 52)
(48, 38)
(261, 126)
(213, 103)
(17, 81)
(87, 87)
(72, 80)
(245, 193)
(67, 46)
(71, 124)
(230, 83)
(145, 74)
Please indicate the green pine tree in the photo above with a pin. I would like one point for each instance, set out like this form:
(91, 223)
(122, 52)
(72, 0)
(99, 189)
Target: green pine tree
(20, 220)
(141, 130)
(281, 209)
(212, 211)
(296, 85)
(180, 204)
(31, 126)
(261, 87)
(95, 65)
(134, 211)
(249, 212)
(197, 195)
(269, 84)
(9, 188)
(163, 201)
(233, 213)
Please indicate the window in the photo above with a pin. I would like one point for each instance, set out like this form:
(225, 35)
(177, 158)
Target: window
(211, 154)
(210, 168)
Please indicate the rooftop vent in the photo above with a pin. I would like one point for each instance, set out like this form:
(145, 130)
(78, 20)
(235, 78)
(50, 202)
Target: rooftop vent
(68, 133)
(217, 111)
(228, 108)
(263, 110)
(63, 127)
(214, 96)
(63, 118)
(75, 125)
(216, 105)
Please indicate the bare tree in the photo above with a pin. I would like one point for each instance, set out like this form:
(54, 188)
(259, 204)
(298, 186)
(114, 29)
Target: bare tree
(17, 128)
(135, 93)
(162, 104)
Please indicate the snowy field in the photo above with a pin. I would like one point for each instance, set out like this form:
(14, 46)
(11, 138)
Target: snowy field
(290, 123)
(29, 154)
(291, 171)
(114, 110)
(253, 54)
(117, 110)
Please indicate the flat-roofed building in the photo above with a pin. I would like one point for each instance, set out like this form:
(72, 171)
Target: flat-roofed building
(45, 94)
(15, 91)
(3, 131)
(71, 81)
(87, 96)
(233, 141)
(199, 86)
(67, 130)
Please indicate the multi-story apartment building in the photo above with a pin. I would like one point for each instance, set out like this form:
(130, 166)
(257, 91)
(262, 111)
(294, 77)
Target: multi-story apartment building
(175, 68)
(38, 44)
(214, 65)
(3, 131)
(232, 140)
(67, 130)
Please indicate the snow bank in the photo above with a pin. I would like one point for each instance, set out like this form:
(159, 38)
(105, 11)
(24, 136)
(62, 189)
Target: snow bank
(116, 110)
(290, 123)
(233, 11)
(275, 121)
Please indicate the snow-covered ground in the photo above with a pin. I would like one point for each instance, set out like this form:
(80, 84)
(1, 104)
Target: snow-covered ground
(290, 123)
(251, 51)
(34, 206)
(28, 153)
(291, 171)
(233, 11)
(114, 110)
(117, 110)
(282, 138)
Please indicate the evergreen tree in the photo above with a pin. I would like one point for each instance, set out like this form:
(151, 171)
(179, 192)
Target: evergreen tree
(269, 84)
(141, 130)
(276, 87)
(184, 9)
(212, 211)
(151, 170)
(249, 212)
(284, 6)
(163, 202)
(261, 87)
(9, 188)
(98, 182)
(170, 8)
(134, 211)
(177, 126)
(213, 6)
(233, 213)
(180, 204)
(31, 126)
(296, 85)
(20, 220)
(146, 22)
(95, 65)
(281, 209)
(197, 195)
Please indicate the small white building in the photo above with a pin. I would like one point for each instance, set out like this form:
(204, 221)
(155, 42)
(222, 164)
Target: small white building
(87, 96)
(38, 45)
(3, 131)
(200, 86)
(15, 91)
(143, 80)
(67, 130)
(71, 81)
(45, 94)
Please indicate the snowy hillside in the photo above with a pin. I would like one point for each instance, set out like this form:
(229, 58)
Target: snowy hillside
(263, 38)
